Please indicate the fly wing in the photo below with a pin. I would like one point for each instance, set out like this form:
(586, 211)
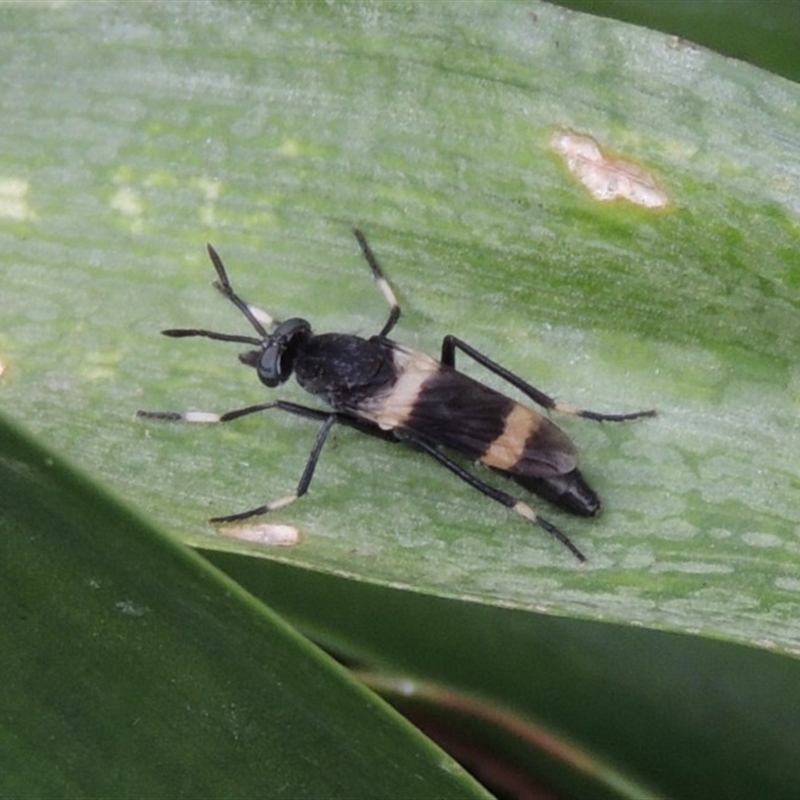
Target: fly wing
(548, 452)
(452, 410)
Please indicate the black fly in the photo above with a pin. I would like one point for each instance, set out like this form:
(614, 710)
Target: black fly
(388, 390)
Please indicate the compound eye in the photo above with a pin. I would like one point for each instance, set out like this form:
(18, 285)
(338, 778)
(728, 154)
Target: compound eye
(276, 360)
(268, 364)
(270, 369)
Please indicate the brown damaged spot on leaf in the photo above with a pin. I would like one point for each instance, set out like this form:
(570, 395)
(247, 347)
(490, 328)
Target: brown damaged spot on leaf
(607, 177)
(272, 534)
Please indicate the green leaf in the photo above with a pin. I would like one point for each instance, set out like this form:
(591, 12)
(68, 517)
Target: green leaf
(135, 133)
(131, 668)
(762, 32)
(602, 710)
(607, 306)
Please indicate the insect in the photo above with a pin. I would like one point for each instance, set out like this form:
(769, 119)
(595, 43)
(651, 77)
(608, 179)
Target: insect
(384, 389)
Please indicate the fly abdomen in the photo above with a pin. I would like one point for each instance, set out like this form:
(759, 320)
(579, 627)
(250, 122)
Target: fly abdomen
(570, 491)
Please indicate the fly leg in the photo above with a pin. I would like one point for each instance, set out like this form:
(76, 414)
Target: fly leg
(451, 343)
(509, 501)
(328, 419)
(302, 486)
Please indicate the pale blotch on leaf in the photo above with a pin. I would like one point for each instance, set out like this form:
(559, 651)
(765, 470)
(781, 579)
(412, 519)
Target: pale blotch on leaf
(14, 200)
(273, 534)
(209, 187)
(607, 177)
(211, 190)
(127, 201)
(289, 148)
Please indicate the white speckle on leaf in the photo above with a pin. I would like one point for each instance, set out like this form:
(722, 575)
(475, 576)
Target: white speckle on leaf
(788, 584)
(762, 540)
(692, 568)
(130, 608)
